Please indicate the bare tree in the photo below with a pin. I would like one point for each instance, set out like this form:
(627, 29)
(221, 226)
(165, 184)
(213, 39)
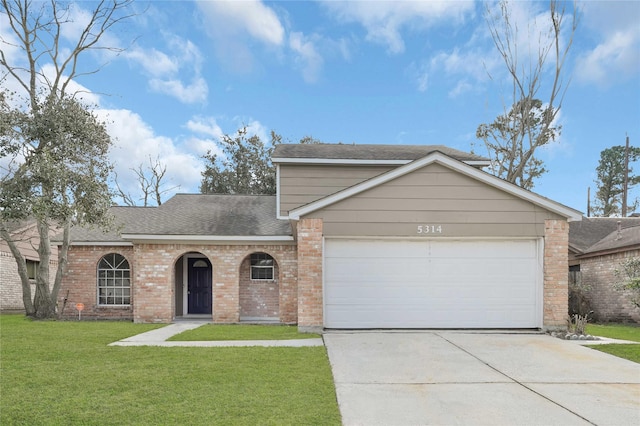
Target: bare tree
(537, 90)
(150, 183)
(57, 149)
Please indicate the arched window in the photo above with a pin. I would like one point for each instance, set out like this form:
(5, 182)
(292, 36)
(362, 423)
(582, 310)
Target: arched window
(114, 280)
(261, 266)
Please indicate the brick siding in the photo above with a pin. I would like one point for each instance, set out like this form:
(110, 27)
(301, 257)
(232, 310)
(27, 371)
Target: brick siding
(154, 280)
(556, 265)
(310, 306)
(79, 284)
(11, 285)
(607, 303)
(258, 298)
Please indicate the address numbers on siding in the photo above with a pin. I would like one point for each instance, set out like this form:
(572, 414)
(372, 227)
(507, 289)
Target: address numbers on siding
(429, 229)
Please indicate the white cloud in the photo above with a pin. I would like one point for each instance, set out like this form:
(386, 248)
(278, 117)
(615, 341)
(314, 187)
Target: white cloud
(168, 72)
(384, 21)
(234, 25)
(153, 61)
(308, 57)
(207, 126)
(616, 56)
(194, 92)
(134, 141)
(250, 16)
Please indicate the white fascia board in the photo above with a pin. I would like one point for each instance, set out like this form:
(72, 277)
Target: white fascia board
(208, 238)
(348, 161)
(482, 163)
(437, 157)
(101, 243)
(352, 162)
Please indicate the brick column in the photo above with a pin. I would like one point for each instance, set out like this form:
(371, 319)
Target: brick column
(556, 267)
(310, 275)
(152, 287)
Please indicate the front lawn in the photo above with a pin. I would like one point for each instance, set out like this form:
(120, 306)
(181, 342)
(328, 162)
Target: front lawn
(242, 332)
(55, 373)
(615, 331)
(618, 331)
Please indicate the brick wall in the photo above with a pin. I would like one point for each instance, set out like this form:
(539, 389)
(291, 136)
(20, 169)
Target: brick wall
(607, 303)
(258, 298)
(11, 285)
(79, 284)
(154, 284)
(556, 265)
(310, 306)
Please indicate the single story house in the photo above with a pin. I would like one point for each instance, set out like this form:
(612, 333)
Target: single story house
(25, 235)
(597, 247)
(356, 237)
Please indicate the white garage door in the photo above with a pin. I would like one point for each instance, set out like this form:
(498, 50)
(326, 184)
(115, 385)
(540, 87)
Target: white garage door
(432, 284)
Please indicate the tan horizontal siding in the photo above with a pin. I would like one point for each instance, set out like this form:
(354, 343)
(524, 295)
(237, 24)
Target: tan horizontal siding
(460, 205)
(303, 184)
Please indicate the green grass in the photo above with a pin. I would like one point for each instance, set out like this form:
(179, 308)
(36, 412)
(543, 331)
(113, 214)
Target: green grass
(626, 351)
(242, 332)
(63, 373)
(618, 331)
(615, 331)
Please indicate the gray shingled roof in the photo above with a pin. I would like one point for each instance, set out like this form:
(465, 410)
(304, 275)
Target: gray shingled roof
(124, 217)
(601, 233)
(367, 152)
(215, 214)
(194, 215)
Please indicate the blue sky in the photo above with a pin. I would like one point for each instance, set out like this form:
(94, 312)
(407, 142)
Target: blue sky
(354, 72)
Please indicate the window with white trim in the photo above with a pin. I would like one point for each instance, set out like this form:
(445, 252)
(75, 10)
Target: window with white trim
(114, 280)
(261, 266)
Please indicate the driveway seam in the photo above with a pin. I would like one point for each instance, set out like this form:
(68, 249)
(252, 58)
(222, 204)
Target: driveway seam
(515, 380)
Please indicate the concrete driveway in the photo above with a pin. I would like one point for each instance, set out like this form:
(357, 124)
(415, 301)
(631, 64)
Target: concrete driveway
(474, 378)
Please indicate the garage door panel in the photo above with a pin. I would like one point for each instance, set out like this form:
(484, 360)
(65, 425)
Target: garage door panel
(431, 284)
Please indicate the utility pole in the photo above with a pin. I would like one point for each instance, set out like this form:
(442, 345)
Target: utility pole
(588, 201)
(625, 190)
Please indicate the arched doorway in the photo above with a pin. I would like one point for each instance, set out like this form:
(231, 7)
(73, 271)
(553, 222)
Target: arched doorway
(193, 282)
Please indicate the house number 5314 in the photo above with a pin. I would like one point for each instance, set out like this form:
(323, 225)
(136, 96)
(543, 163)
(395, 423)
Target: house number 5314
(429, 229)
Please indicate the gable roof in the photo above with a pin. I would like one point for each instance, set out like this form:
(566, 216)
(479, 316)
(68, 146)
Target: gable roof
(365, 154)
(447, 161)
(598, 234)
(195, 217)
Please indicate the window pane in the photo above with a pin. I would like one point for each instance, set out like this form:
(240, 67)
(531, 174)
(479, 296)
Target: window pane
(113, 280)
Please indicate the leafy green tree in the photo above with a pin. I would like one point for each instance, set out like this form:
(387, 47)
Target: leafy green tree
(54, 150)
(244, 168)
(59, 178)
(537, 88)
(610, 181)
(512, 140)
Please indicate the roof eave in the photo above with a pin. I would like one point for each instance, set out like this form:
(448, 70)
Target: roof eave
(353, 161)
(210, 239)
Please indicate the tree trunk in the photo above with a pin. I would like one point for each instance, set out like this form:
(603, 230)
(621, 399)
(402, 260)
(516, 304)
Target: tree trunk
(45, 307)
(63, 252)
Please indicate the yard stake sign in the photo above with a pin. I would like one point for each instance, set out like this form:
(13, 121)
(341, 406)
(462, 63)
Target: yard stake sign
(80, 308)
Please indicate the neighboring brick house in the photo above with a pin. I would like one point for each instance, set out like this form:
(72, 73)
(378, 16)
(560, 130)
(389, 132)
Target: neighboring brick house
(25, 234)
(357, 236)
(597, 247)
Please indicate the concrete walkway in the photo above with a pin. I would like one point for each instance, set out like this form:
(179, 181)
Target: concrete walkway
(159, 336)
(458, 378)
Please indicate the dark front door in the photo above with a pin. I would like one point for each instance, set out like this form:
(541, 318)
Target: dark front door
(199, 286)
